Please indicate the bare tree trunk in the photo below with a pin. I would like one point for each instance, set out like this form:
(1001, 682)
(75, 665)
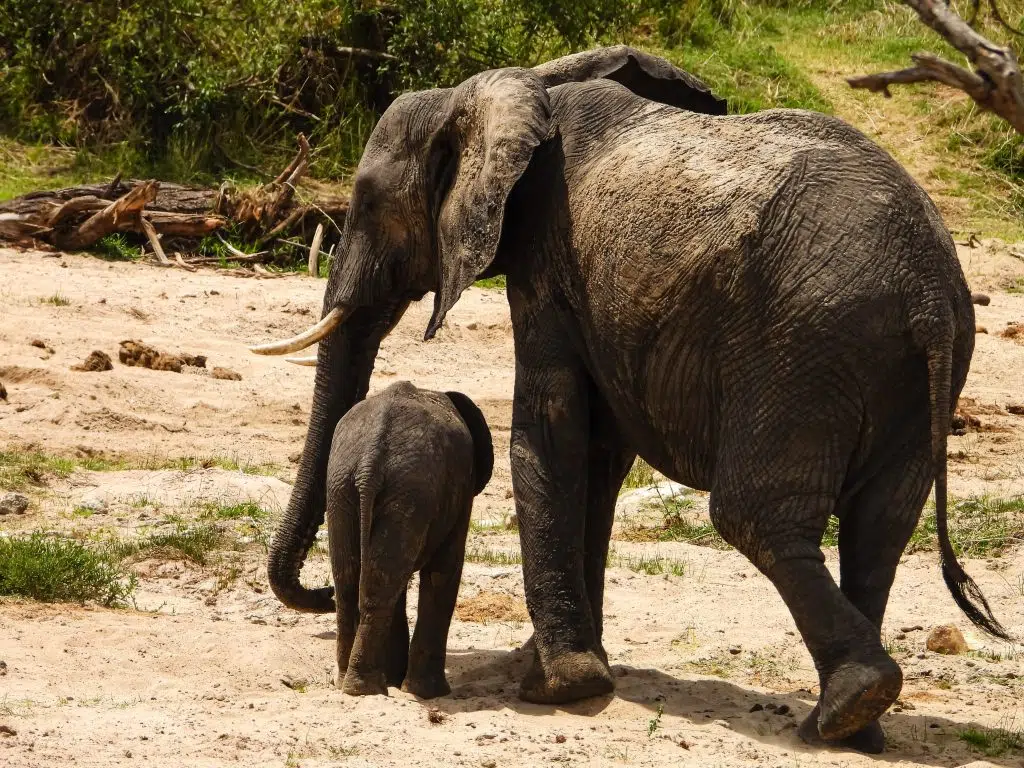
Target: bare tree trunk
(995, 84)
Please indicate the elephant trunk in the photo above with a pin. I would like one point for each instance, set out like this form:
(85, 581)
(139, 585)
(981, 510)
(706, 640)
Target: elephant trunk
(344, 365)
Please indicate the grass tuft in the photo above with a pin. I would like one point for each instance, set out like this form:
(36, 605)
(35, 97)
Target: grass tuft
(993, 742)
(194, 544)
(58, 300)
(55, 569)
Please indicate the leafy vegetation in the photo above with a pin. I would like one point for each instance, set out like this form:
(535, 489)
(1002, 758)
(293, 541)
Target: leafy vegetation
(186, 90)
(55, 569)
(192, 543)
(994, 742)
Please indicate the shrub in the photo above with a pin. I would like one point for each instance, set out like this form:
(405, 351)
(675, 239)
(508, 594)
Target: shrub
(54, 569)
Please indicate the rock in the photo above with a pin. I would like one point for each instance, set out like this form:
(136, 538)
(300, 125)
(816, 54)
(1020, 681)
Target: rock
(13, 504)
(980, 329)
(96, 361)
(295, 684)
(3, 391)
(196, 361)
(3, 668)
(981, 299)
(735, 650)
(40, 344)
(1017, 409)
(6, 730)
(782, 709)
(226, 373)
(946, 639)
(757, 708)
(295, 457)
(487, 763)
(560, 739)
(915, 628)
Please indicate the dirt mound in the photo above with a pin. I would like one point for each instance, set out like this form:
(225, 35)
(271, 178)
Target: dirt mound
(139, 354)
(488, 607)
(96, 361)
(1014, 332)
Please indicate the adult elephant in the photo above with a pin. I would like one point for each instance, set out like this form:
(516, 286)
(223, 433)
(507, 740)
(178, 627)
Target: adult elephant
(765, 306)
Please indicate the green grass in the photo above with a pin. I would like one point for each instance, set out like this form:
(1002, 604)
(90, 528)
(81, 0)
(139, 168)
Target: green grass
(58, 300)
(640, 475)
(117, 247)
(23, 469)
(994, 742)
(649, 565)
(244, 509)
(980, 526)
(486, 556)
(54, 569)
(194, 544)
(492, 283)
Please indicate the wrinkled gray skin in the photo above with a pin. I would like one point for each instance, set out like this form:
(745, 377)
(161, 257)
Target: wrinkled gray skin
(765, 306)
(405, 465)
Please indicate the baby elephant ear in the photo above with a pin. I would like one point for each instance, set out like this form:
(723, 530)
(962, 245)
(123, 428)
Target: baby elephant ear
(645, 75)
(483, 448)
(496, 119)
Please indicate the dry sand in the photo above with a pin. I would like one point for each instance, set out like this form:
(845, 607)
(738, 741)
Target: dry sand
(192, 675)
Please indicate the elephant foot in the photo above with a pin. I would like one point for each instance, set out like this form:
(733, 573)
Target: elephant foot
(395, 676)
(856, 695)
(371, 684)
(569, 677)
(870, 739)
(427, 687)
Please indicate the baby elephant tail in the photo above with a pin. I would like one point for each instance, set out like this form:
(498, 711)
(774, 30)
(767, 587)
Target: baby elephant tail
(965, 591)
(483, 448)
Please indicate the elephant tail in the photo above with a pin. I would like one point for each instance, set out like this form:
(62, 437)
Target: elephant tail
(965, 591)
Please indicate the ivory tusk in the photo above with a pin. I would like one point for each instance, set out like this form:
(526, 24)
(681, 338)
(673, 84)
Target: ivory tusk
(307, 338)
(311, 361)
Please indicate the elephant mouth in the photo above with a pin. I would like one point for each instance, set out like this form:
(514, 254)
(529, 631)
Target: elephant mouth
(307, 338)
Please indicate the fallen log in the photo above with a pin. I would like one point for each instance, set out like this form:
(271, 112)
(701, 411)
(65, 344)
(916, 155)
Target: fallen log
(175, 218)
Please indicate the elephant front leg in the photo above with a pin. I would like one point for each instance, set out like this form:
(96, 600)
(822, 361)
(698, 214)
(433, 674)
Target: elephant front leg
(550, 433)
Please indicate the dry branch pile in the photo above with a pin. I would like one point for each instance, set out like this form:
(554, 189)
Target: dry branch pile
(173, 218)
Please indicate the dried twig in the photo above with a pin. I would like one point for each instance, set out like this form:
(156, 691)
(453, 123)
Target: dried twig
(154, 242)
(314, 251)
(996, 83)
(181, 263)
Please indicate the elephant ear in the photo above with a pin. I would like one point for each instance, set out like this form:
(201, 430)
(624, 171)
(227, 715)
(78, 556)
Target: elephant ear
(651, 77)
(495, 121)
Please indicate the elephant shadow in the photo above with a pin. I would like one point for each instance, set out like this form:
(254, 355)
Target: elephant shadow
(489, 679)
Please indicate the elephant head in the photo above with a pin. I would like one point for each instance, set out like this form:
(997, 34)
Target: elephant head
(426, 214)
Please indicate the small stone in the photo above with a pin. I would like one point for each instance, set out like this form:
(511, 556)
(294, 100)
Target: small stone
(559, 739)
(3, 391)
(436, 716)
(782, 709)
(487, 763)
(915, 628)
(757, 708)
(97, 361)
(1017, 409)
(3, 668)
(295, 457)
(38, 344)
(290, 682)
(6, 730)
(226, 373)
(13, 504)
(946, 639)
(735, 650)
(980, 329)
(980, 299)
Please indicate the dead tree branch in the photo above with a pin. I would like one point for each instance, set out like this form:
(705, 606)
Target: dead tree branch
(995, 84)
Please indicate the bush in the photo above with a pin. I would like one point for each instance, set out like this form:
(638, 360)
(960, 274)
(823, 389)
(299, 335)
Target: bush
(53, 569)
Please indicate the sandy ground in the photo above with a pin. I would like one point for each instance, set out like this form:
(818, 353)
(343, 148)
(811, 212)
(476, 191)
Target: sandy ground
(709, 669)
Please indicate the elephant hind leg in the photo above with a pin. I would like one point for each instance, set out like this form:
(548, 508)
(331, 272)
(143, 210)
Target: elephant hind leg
(775, 511)
(873, 533)
(439, 590)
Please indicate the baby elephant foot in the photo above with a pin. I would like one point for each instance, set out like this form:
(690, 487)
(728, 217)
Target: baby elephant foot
(569, 677)
(870, 739)
(370, 684)
(427, 687)
(856, 695)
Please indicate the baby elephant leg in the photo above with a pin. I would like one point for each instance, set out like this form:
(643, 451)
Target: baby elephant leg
(439, 588)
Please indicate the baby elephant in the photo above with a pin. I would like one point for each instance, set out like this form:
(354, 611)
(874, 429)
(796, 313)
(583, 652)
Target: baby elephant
(404, 468)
